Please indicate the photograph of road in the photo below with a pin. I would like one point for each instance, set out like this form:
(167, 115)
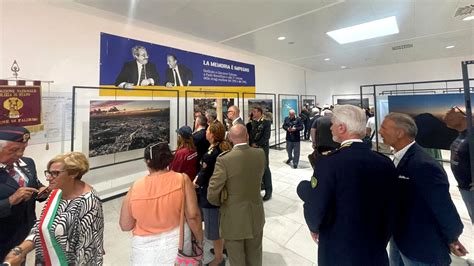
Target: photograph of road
(119, 126)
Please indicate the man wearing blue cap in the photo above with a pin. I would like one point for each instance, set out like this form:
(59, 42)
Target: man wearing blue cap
(19, 188)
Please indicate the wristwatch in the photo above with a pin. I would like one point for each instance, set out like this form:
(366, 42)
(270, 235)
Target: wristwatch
(17, 250)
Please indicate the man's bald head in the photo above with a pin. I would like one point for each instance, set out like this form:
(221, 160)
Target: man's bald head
(238, 134)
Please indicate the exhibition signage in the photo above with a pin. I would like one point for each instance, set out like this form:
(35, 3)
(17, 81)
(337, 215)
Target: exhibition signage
(20, 105)
(155, 66)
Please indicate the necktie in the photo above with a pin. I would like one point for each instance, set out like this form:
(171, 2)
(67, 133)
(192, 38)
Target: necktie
(175, 77)
(13, 173)
(142, 75)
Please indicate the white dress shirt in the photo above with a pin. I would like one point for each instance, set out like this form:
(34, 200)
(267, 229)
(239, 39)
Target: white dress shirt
(350, 140)
(397, 156)
(179, 77)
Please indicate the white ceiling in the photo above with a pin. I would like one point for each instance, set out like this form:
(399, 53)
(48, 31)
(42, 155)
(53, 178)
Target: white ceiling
(254, 25)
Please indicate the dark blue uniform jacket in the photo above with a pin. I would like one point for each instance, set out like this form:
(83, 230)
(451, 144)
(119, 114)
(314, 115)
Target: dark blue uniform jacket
(351, 206)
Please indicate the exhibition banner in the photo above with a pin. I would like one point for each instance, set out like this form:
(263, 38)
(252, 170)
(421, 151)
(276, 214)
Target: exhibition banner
(21, 105)
(428, 111)
(134, 64)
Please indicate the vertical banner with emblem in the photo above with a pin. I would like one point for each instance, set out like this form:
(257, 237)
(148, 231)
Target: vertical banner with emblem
(20, 105)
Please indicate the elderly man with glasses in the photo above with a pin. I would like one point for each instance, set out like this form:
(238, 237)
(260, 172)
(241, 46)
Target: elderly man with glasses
(19, 188)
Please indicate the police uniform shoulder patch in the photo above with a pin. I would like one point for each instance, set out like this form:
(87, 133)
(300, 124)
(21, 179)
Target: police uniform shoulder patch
(224, 153)
(314, 182)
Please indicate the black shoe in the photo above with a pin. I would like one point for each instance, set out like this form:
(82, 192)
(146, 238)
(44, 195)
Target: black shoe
(225, 252)
(288, 161)
(295, 166)
(222, 263)
(267, 196)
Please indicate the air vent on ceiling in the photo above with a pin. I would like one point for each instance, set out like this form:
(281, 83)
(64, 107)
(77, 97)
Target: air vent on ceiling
(464, 11)
(401, 47)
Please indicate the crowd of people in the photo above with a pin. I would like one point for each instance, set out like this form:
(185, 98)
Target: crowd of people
(215, 177)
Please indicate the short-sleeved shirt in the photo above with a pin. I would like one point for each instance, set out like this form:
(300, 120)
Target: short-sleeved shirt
(460, 161)
(155, 203)
(323, 132)
(185, 161)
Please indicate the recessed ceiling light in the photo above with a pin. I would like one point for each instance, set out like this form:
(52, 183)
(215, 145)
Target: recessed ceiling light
(343, 67)
(450, 46)
(327, 59)
(281, 38)
(364, 31)
(468, 18)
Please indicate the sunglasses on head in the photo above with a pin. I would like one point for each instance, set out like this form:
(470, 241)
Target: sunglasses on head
(150, 148)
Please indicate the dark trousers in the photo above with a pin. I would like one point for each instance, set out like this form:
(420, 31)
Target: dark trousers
(307, 128)
(293, 150)
(267, 175)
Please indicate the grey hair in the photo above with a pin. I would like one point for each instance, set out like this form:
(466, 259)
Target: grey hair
(292, 111)
(353, 117)
(137, 48)
(212, 113)
(236, 109)
(3, 143)
(404, 122)
(328, 113)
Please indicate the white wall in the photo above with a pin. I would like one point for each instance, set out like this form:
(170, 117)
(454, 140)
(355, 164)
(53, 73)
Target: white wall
(61, 42)
(325, 84)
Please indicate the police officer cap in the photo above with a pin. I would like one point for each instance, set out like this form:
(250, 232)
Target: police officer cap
(15, 134)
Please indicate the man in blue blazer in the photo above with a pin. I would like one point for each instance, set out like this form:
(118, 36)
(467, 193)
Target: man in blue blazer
(19, 189)
(348, 205)
(427, 226)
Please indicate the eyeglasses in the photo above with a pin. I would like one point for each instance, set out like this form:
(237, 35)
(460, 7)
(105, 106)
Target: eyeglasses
(459, 109)
(53, 174)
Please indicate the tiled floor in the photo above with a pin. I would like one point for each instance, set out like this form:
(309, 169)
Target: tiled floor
(286, 238)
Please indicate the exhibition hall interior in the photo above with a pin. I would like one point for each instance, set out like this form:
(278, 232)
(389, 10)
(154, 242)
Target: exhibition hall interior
(236, 132)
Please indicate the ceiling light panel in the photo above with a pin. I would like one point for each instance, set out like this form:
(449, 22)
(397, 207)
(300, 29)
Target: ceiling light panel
(365, 31)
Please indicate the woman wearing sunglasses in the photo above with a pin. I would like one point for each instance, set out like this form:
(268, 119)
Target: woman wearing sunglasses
(70, 229)
(152, 211)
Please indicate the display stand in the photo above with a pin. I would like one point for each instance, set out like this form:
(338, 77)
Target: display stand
(266, 99)
(285, 102)
(467, 98)
(380, 93)
(310, 100)
(220, 101)
(367, 100)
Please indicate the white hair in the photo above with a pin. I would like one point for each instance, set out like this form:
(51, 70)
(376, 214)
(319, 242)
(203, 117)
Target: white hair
(3, 143)
(353, 117)
(292, 111)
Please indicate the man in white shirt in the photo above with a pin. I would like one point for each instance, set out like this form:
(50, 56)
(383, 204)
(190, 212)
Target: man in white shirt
(139, 72)
(177, 74)
(370, 132)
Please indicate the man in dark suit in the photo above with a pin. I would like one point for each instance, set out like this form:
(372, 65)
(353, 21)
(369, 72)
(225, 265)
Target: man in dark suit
(19, 189)
(349, 202)
(233, 114)
(138, 72)
(427, 226)
(235, 187)
(259, 137)
(177, 74)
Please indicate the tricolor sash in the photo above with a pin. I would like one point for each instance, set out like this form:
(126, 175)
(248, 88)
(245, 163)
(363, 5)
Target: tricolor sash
(53, 253)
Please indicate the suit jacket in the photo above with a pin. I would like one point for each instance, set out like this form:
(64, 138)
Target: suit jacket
(129, 73)
(238, 121)
(185, 73)
(239, 172)
(427, 218)
(16, 221)
(351, 207)
(297, 124)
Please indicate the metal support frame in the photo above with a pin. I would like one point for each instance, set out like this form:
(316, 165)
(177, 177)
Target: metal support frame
(197, 91)
(274, 113)
(73, 118)
(467, 99)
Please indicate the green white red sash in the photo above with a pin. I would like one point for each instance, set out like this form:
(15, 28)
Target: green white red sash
(53, 253)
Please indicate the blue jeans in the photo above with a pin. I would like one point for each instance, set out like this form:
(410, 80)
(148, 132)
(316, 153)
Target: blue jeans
(394, 255)
(468, 198)
(293, 148)
(409, 262)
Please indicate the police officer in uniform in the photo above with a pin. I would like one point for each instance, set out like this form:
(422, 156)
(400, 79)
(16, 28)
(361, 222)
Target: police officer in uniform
(348, 203)
(19, 189)
(259, 136)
